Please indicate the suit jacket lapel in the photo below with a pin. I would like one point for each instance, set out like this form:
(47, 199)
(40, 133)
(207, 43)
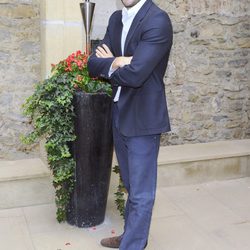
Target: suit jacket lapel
(137, 20)
(118, 35)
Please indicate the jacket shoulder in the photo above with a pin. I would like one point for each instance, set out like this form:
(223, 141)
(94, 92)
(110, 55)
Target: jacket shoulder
(157, 17)
(157, 11)
(116, 15)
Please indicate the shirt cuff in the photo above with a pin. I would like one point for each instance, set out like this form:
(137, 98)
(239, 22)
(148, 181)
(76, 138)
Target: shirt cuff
(111, 70)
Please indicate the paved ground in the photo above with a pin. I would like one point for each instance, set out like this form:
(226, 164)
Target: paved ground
(211, 216)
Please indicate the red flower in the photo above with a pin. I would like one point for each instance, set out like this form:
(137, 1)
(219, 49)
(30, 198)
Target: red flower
(78, 53)
(79, 63)
(68, 69)
(75, 66)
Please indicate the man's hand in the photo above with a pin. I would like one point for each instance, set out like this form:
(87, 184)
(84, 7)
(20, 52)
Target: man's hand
(103, 51)
(121, 61)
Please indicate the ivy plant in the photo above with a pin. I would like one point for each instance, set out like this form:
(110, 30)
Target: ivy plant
(120, 193)
(51, 111)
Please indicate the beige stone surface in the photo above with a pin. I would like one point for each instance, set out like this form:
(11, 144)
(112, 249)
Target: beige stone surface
(197, 203)
(22, 169)
(179, 232)
(53, 49)
(14, 234)
(25, 182)
(202, 171)
(20, 68)
(230, 195)
(31, 180)
(204, 151)
(226, 7)
(164, 207)
(26, 192)
(18, 11)
(195, 163)
(53, 9)
(72, 10)
(62, 31)
(212, 215)
(73, 39)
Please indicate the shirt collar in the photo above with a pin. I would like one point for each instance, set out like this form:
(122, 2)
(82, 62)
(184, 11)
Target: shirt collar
(127, 13)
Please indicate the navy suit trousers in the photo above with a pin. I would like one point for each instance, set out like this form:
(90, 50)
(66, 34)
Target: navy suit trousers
(137, 159)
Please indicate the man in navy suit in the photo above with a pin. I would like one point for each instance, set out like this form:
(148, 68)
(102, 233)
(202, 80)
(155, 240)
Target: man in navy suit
(134, 55)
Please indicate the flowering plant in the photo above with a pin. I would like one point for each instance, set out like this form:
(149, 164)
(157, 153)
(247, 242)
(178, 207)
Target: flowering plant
(75, 66)
(51, 112)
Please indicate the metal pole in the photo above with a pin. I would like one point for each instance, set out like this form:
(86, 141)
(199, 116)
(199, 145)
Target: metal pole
(87, 9)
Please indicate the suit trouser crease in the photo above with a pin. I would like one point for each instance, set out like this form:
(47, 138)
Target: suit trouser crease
(137, 159)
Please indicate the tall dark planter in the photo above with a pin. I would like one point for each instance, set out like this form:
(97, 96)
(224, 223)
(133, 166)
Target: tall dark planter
(92, 150)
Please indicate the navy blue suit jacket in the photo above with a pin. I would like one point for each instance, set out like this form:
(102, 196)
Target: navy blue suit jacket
(142, 104)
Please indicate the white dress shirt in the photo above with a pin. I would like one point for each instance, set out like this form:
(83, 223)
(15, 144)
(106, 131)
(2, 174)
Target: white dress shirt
(128, 16)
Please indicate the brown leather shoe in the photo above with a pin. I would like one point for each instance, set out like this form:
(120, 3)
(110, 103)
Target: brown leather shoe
(113, 242)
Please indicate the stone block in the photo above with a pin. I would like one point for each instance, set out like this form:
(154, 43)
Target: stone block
(203, 171)
(26, 192)
(222, 7)
(53, 10)
(243, 42)
(54, 35)
(18, 11)
(72, 10)
(25, 182)
(74, 39)
(239, 63)
(203, 162)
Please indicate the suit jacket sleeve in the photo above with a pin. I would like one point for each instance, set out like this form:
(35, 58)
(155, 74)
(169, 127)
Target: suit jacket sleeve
(156, 41)
(99, 67)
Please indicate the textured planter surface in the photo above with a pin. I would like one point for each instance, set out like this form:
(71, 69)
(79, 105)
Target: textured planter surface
(92, 150)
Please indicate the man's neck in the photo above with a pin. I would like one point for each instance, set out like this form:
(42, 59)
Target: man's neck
(134, 6)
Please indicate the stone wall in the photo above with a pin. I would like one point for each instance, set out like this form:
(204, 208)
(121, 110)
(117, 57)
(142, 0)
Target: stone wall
(19, 70)
(207, 83)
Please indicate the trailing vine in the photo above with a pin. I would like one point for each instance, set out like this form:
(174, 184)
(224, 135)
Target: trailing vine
(120, 193)
(51, 112)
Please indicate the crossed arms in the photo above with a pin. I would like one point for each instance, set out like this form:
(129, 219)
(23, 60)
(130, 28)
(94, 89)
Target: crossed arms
(103, 51)
(156, 41)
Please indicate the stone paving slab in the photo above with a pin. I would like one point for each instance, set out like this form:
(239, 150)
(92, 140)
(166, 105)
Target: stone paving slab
(208, 216)
(23, 169)
(26, 192)
(204, 151)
